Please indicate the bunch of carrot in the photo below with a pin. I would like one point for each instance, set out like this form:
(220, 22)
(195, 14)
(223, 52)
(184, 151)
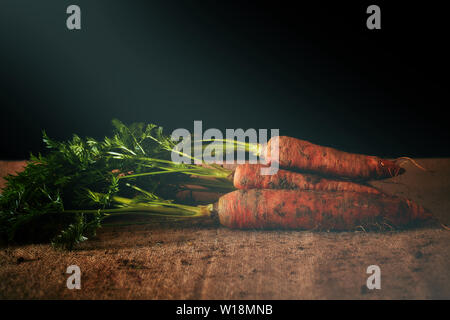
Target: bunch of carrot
(316, 188)
(66, 194)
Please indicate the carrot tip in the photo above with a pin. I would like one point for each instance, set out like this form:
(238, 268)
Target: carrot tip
(410, 160)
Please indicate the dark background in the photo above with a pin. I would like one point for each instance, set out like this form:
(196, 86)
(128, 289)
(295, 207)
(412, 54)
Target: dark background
(313, 71)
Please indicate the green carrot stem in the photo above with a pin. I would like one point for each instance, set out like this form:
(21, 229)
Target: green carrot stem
(219, 183)
(191, 169)
(187, 171)
(156, 210)
(255, 148)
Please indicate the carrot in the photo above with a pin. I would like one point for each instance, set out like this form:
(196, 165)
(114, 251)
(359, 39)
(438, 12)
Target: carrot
(293, 209)
(303, 155)
(248, 176)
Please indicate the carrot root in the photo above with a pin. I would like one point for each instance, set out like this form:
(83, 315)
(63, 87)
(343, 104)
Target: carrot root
(292, 209)
(304, 155)
(248, 176)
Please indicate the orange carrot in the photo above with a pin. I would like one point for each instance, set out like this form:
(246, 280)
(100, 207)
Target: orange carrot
(248, 176)
(303, 155)
(293, 209)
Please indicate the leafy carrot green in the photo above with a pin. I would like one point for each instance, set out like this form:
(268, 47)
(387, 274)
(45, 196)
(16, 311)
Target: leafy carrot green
(47, 201)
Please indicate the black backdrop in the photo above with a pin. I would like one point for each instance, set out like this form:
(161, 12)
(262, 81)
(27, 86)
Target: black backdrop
(313, 71)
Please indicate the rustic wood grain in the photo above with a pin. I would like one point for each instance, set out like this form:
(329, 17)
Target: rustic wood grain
(163, 260)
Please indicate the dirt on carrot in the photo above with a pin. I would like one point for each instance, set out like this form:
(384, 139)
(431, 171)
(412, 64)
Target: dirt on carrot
(294, 209)
(248, 176)
(304, 155)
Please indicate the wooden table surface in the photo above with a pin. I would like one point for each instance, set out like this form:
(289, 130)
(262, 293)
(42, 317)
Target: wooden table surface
(206, 261)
